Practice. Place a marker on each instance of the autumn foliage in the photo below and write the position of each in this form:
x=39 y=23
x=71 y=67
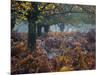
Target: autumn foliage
x=73 y=51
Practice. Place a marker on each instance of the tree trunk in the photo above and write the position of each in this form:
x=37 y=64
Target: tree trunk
x=39 y=28
x=12 y=24
x=32 y=36
x=32 y=18
x=13 y=20
x=46 y=28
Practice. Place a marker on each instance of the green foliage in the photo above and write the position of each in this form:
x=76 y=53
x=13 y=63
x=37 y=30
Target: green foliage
x=53 y=13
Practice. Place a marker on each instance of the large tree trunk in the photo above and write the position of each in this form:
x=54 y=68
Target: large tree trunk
x=32 y=36
x=32 y=18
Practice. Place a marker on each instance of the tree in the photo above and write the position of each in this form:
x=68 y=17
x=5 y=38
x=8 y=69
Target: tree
x=32 y=26
x=44 y=14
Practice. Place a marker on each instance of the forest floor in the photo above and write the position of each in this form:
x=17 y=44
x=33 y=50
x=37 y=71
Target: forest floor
x=55 y=52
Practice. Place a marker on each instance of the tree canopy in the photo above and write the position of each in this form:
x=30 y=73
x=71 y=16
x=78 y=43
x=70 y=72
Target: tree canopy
x=50 y=11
